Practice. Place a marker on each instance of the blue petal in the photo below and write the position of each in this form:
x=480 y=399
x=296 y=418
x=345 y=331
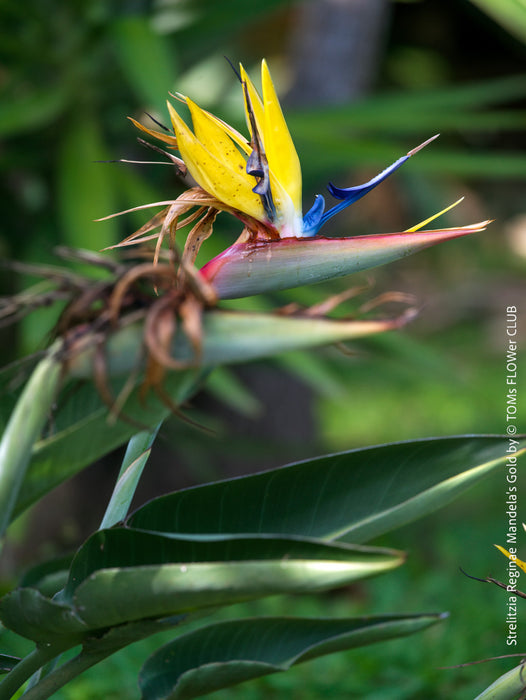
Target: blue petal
x=312 y=219
x=349 y=195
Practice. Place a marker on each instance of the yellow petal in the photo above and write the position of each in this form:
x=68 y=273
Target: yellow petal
x=281 y=154
x=233 y=133
x=225 y=183
x=216 y=140
x=255 y=103
x=288 y=219
x=435 y=216
x=521 y=564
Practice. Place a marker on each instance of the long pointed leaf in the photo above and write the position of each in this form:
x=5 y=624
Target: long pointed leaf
x=459 y=100
x=230 y=337
x=113 y=597
x=30 y=614
x=231 y=652
x=358 y=494
x=121 y=575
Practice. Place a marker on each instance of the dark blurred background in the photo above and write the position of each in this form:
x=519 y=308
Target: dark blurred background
x=362 y=82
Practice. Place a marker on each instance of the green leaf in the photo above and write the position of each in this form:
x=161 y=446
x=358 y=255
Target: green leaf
x=231 y=652
x=351 y=133
x=7 y=663
x=333 y=152
x=231 y=337
x=23 y=429
x=508 y=687
x=314 y=371
x=479 y=164
x=452 y=108
x=203 y=26
x=366 y=119
x=32 y=111
x=13 y=377
x=48 y=577
x=28 y=613
x=85 y=186
x=449 y=100
x=81 y=415
x=122 y=575
x=358 y=495
x=511 y=14
x=124 y=547
x=228 y=389
x=145 y=58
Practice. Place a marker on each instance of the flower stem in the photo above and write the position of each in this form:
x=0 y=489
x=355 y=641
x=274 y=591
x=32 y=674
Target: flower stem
x=25 y=668
x=65 y=673
x=137 y=453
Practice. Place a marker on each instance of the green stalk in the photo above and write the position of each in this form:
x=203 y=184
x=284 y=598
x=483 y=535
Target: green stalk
x=24 y=428
x=28 y=666
x=63 y=674
x=131 y=633
x=137 y=453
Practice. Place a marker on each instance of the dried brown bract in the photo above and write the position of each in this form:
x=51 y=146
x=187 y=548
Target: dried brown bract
x=163 y=295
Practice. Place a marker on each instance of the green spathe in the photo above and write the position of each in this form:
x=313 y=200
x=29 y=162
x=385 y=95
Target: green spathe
x=251 y=268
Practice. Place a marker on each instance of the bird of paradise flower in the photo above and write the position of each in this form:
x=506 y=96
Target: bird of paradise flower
x=258 y=180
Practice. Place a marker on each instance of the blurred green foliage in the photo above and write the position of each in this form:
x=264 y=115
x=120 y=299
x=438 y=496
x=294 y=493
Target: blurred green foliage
x=71 y=74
